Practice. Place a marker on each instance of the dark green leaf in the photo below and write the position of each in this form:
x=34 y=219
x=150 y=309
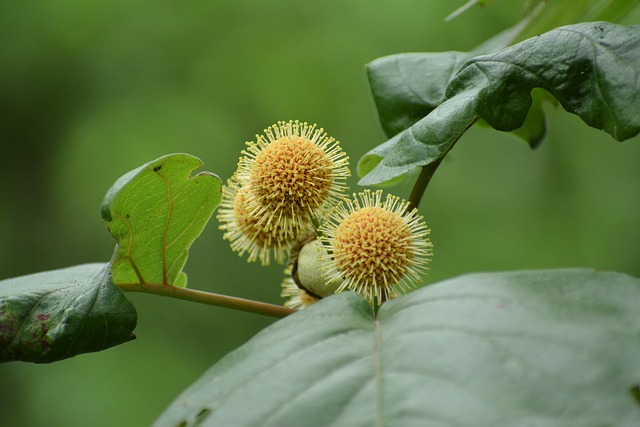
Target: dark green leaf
x=58 y=314
x=591 y=69
x=408 y=86
x=534 y=128
x=155 y=213
x=532 y=348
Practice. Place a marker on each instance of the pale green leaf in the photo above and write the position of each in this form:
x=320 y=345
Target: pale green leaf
x=155 y=212
x=554 y=348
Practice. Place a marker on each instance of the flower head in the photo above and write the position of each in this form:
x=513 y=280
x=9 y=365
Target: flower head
x=293 y=172
x=242 y=229
x=377 y=248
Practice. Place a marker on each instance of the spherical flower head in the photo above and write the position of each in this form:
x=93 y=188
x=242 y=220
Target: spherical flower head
x=294 y=171
x=377 y=248
x=242 y=227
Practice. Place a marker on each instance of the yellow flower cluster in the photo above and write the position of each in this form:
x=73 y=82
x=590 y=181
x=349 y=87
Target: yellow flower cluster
x=285 y=179
x=289 y=191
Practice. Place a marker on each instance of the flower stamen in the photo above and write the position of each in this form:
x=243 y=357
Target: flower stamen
x=376 y=247
x=293 y=172
x=242 y=228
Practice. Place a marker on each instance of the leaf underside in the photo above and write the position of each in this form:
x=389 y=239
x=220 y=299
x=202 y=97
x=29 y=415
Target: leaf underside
x=591 y=69
x=535 y=348
x=155 y=213
x=53 y=315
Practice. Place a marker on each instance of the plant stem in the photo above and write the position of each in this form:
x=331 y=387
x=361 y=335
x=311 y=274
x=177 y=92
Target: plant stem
x=210 y=299
x=421 y=183
x=427 y=173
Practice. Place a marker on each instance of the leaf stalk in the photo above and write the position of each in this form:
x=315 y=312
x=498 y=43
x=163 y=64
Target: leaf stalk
x=209 y=298
x=427 y=173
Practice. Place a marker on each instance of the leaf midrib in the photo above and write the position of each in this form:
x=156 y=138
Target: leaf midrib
x=377 y=367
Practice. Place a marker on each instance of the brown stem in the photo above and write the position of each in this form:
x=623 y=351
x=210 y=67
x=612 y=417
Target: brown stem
x=210 y=299
x=421 y=184
x=427 y=173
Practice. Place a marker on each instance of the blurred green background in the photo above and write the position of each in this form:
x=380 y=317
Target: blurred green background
x=90 y=90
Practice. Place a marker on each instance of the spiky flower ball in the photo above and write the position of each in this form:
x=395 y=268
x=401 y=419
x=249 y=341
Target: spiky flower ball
x=293 y=172
x=376 y=247
x=242 y=227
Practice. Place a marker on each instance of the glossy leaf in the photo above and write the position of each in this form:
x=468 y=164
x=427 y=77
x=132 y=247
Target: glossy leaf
x=408 y=86
x=155 y=213
x=401 y=84
x=591 y=69
x=531 y=348
x=58 y=314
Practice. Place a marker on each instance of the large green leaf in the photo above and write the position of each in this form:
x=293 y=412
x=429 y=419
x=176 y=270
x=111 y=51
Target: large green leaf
x=592 y=70
x=531 y=348
x=155 y=212
x=408 y=86
x=58 y=314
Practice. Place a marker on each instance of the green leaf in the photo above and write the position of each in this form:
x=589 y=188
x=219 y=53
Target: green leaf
x=530 y=348
x=408 y=86
x=370 y=161
x=155 y=213
x=534 y=128
x=58 y=314
x=591 y=69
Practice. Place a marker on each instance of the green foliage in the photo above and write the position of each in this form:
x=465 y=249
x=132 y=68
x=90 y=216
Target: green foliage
x=408 y=86
x=591 y=69
x=45 y=317
x=552 y=348
x=155 y=213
